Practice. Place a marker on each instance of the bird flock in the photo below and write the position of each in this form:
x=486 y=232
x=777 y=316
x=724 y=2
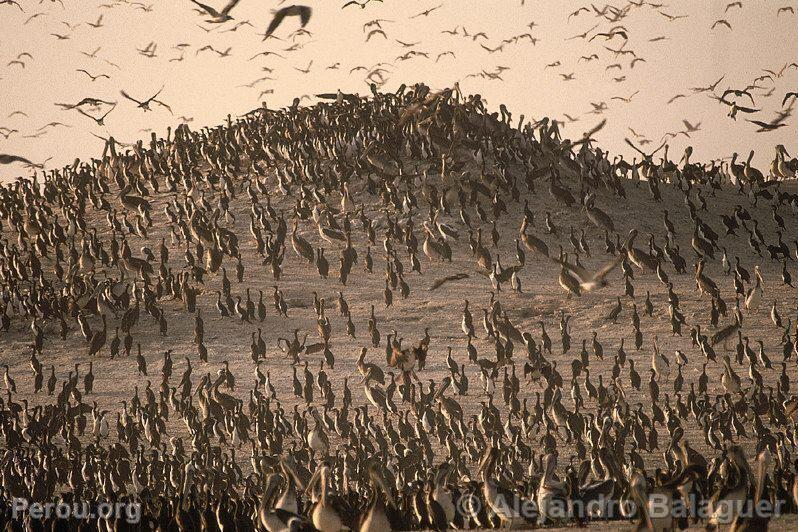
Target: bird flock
x=196 y=323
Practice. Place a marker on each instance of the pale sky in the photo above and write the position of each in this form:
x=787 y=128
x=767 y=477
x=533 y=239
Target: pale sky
x=207 y=87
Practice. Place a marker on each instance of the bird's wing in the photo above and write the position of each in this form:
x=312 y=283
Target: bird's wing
x=229 y=6
x=276 y=21
x=211 y=11
x=162 y=105
x=304 y=14
x=763 y=125
x=8 y=159
x=607 y=268
x=126 y=95
x=747 y=109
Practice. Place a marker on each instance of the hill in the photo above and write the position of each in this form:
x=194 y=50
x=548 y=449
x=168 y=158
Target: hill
x=217 y=286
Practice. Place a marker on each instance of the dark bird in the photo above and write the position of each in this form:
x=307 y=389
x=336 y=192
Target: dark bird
x=733 y=4
x=303 y=12
x=772 y=125
x=145 y=105
x=722 y=22
x=375 y=32
x=708 y=88
x=738 y=93
x=610 y=35
x=100 y=121
x=93 y=78
x=786 y=9
x=427 y=12
x=690 y=127
x=359 y=4
x=218 y=16
x=408 y=44
x=98 y=24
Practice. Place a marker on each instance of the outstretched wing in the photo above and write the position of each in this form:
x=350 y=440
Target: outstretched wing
x=304 y=14
x=229 y=6
x=211 y=11
x=8 y=159
x=276 y=21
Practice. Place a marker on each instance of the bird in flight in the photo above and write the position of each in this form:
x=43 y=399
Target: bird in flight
x=786 y=9
x=94 y=102
x=361 y=5
x=709 y=88
x=100 y=121
x=305 y=70
x=427 y=12
x=93 y=78
x=218 y=16
x=721 y=22
x=787 y=97
x=627 y=100
x=774 y=124
x=303 y=12
x=691 y=128
x=145 y=105
x=375 y=32
x=406 y=44
x=98 y=24
x=93 y=54
x=733 y=4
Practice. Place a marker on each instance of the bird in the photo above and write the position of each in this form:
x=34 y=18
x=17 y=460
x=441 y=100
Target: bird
x=426 y=12
x=217 y=17
x=690 y=127
x=101 y=120
x=93 y=78
x=375 y=32
x=301 y=11
x=721 y=22
x=145 y=104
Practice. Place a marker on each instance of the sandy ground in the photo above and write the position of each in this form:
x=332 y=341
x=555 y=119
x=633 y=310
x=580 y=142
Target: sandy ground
x=440 y=310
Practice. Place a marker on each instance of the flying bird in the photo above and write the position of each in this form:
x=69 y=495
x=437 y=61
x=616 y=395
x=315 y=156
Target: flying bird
x=375 y=32
x=218 y=16
x=303 y=12
x=690 y=127
x=427 y=12
x=93 y=78
x=145 y=105
x=787 y=97
x=722 y=22
x=100 y=121
x=738 y=93
x=98 y=24
x=305 y=70
x=786 y=9
x=359 y=4
x=733 y=4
